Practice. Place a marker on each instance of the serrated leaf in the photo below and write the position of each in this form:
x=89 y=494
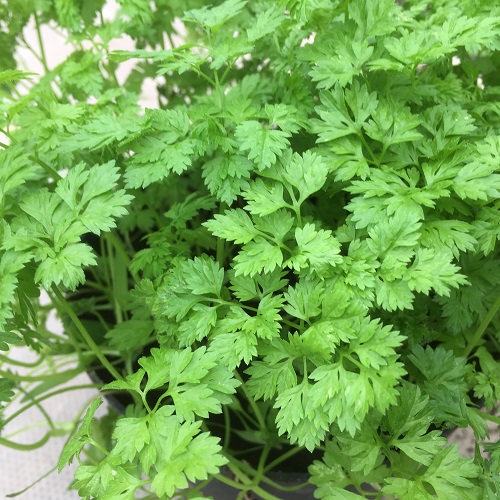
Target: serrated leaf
x=155 y=159
x=308 y=173
x=75 y=445
x=92 y=196
x=264 y=198
x=235 y=225
x=263 y=144
x=317 y=250
x=215 y=17
x=258 y=256
x=265 y=23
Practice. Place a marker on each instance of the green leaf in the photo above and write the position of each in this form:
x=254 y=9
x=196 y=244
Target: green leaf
x=431 y=270
x=11 y=264
x=277 y=225
x=306 y=429
x=103 y=131
x=263 y=144
x=227 y=176
x=336 y=109
x=393 y=240
x=13 y=75
x=330 y=475
x=338 y=59
x=131 y=436
x=107 y=480
x=445 y=235
x=258 y=256
x=16 y=169
x=235 y=225
x=263 y=198
x=66 y=267
x=374 y=19
x=268 y=378
x=266 y=23
x=408 y=425
x=197 y=325
x=6 y=392
x=449 y=476
x=393 y=124
x=77 y=442
x=235 y=345
x=304 y=300
x=92 y=196
x=155 y=159
x=215 y=17
x=130 y=335
x=307 y=173
x=346 y=396
x=363 y=449
x=317 y=251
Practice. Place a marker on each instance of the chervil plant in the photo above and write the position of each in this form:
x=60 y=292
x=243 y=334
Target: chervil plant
x=291 y=262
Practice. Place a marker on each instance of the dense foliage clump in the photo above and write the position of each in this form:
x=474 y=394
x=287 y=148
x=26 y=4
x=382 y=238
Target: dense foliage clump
x=302 y=236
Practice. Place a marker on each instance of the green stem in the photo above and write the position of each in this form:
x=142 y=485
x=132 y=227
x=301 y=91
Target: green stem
x=17 y=493
x=118 y=245
x=26 y=447
x=6 y=359
x=253 y=404
x=227 y=427
x=40 y=42
x=41 y=409
x=170 y=40
x=205 y=77
x=367 y=146
x=482 y=327
x=117 y=305
x=246 y=483
x=50 y=170
x=88 y=339
x=491 y=418
x=95 y=444
x=47 y=396
x=261 y=466
x=282 y=458
x=67 y=375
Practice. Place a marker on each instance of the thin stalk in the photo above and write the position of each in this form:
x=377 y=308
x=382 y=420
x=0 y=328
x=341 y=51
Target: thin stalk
x=491 y=418
x=170 y=40
x=118 y=245
x=367 y=146
x=282 y=458
x=72 y=338
x=482 y=328
x=40 y=42
x=227 y=427
x=95 y=444
x=117 y=305
x=67 y=375
x=17 y=493
x=41 y=409
x=26 y=447
x=261 y=465
x=50 y=170
x=47 y=396
x=88 y=339
x=6 y=359
x=253 y=404
x=30 y=48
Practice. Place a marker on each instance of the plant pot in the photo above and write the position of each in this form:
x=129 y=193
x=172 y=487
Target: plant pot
x=221 y=491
